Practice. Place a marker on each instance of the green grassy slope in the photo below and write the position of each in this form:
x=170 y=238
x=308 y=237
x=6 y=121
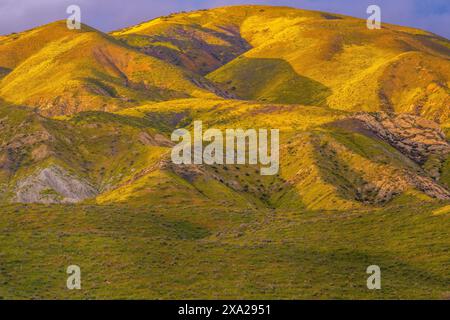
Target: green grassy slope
x=334 y=59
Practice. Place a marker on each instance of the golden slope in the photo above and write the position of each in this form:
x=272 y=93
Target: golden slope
x=309 y=57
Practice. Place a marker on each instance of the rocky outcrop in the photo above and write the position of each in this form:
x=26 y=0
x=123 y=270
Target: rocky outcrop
x=28 y=140
x=429 y=187
x=155 y=140
x=416 y=137
x=213 y=87
x=53 y=185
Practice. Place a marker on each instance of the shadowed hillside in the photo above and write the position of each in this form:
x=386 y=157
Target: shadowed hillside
x=285 y=85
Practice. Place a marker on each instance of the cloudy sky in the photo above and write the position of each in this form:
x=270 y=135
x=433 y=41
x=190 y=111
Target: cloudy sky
x=107 y=15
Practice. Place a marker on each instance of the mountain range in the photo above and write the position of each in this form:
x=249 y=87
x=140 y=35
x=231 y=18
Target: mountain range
x=364 y=117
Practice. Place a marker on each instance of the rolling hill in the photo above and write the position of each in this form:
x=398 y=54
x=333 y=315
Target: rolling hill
x=305 y=57
x=89 y=70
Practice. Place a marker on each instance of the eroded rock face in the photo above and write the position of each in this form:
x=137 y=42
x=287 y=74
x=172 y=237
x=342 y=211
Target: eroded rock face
x=414 y=136
x=387 y=187
x=53 y=185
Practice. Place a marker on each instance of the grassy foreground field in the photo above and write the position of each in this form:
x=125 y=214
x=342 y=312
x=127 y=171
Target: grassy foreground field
x=191 y=252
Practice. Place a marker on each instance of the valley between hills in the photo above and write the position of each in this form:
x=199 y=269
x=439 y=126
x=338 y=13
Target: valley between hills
x=86 y=177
